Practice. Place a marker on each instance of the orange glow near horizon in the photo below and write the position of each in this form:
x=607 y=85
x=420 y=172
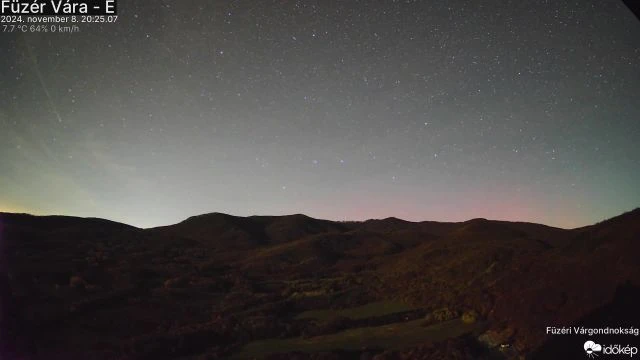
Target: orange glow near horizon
x=9 y=208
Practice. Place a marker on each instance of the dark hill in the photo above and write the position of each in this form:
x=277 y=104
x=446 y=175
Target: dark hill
x=233 y=232
x=219 y=230
x=281 y=229
x=387 y=225
x=212 y=284
x=49 y=223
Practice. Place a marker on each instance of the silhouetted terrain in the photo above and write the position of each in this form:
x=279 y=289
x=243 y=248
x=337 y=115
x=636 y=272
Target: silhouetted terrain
x=294 y=287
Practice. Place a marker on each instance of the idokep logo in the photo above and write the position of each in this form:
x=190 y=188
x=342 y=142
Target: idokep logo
x=593 y=349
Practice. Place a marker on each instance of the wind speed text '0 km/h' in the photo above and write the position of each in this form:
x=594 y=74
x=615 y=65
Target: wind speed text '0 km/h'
x=55 y=28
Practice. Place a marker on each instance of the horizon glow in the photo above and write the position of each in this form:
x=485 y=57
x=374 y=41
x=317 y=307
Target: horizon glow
x=421 y=111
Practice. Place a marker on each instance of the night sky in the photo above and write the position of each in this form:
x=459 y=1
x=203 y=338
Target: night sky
x=422 y=110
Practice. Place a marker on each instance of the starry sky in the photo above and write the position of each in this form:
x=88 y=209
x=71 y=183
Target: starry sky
x=345 y=110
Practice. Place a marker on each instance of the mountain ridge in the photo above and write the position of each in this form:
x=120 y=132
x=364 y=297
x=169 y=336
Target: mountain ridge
x=634 y=212
x=215 y=283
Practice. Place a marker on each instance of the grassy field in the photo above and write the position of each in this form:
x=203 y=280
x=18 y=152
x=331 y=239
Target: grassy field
x=393 y=336
x=361 y=312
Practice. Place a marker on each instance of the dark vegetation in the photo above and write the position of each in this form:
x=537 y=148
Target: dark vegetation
x=293 y=287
